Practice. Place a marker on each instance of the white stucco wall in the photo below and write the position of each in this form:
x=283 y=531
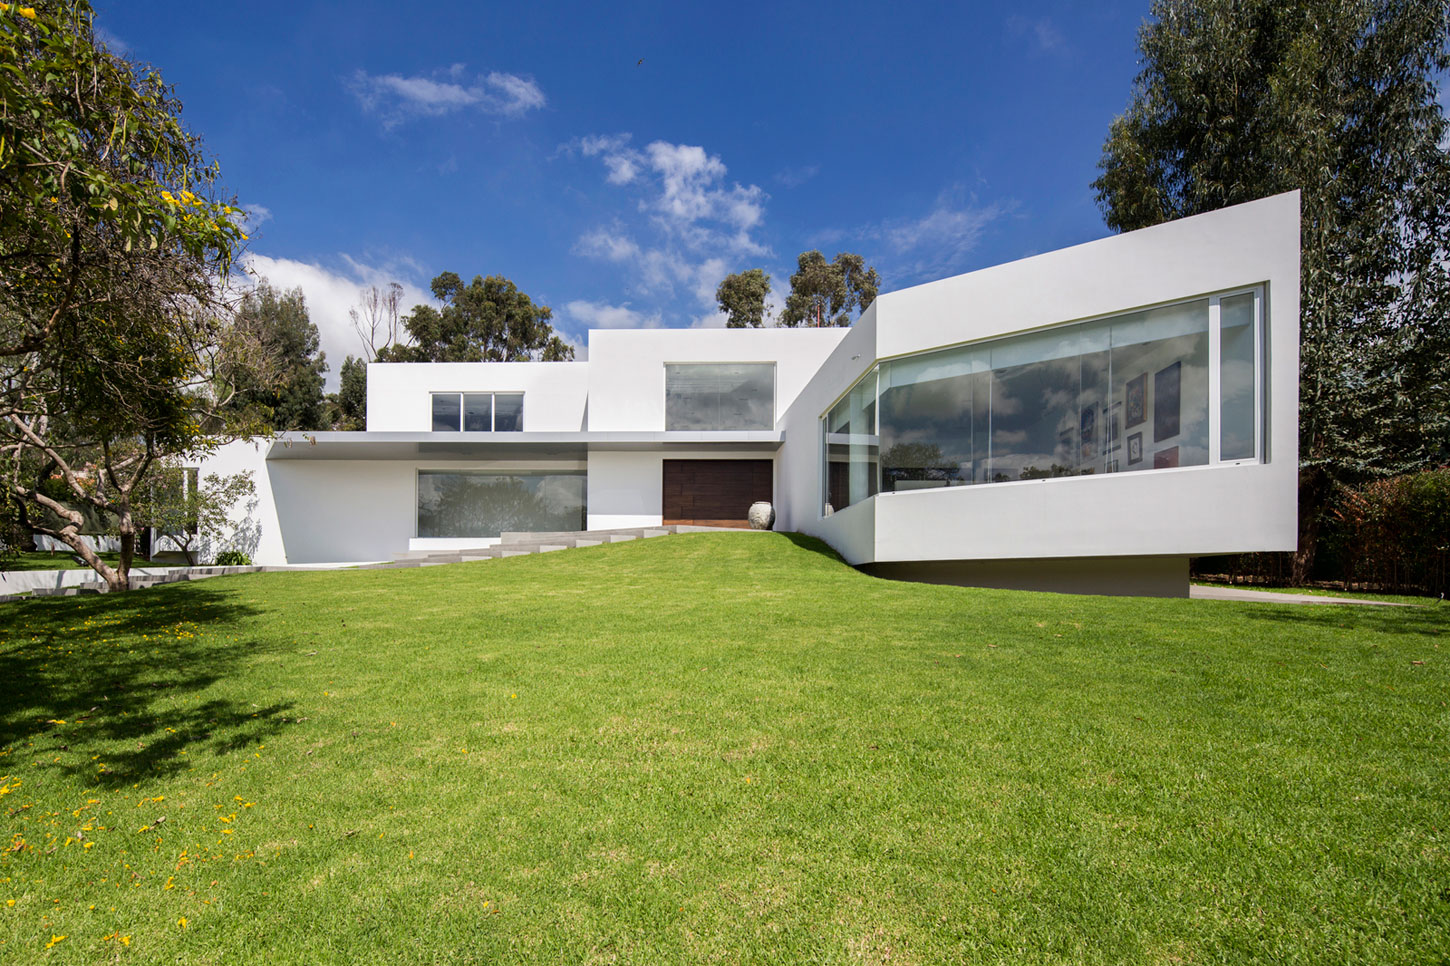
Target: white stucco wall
x=310 y=511
x=1182 y=511
x=256 y=530
x=399 y=393
x=627 y=367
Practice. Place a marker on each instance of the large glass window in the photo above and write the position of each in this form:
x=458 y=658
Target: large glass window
x=852 y=446
x=478 y=412
x=1115 y=395
x=710 y=396
x=484 y=503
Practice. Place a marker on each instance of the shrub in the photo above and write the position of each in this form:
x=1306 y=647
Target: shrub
x=233 y=558
x=1397 y=532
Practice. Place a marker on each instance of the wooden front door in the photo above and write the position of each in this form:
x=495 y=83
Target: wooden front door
x=714 y=493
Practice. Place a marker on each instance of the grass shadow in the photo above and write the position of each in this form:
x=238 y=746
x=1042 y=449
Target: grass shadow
x=1429 y=621
x=814 y=545
x=116 y=671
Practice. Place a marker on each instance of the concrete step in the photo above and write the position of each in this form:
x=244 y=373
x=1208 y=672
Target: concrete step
x=518 y=543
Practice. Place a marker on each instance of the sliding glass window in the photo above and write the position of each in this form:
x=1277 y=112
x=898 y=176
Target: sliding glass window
x=478 y=412
x=1115 y=395
x=484 y=503
x=715 y=396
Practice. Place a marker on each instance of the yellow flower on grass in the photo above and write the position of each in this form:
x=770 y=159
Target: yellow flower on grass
x=54 y=940
x=27 y=12
x=181 y=922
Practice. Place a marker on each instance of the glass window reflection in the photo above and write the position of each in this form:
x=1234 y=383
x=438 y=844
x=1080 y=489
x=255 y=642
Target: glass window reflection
x=713 y=396
x=456 y=503
x=1114 y=395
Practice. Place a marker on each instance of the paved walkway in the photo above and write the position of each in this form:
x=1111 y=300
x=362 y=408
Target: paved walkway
x=1263 y=596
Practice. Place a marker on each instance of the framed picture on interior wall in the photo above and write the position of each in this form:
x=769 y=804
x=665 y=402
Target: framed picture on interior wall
x=1088 y=424
x=1165 y=458
x=1135 y=448
x=1112 y=466
x=1137 y=399
x=1115 y=428
x=1166 y=386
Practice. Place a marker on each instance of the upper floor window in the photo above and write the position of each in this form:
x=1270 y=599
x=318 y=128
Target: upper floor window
x=478 y=412
x=713 y=396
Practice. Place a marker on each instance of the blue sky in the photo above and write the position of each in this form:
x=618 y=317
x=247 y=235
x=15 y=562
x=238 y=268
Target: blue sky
x=616 y=161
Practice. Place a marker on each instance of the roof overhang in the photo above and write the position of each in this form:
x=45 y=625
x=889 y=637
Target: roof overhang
x=501 y=446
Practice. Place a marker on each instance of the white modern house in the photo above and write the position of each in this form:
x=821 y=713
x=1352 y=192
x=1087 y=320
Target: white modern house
x=1087 y=419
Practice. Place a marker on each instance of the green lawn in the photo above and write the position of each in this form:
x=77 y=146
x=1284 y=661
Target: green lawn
x=40 y=560
x=716 y=747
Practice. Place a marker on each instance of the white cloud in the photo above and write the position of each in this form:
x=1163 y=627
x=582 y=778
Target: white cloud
x=945 y=229
x=608 y=244
x=619 y=161
x=1043 y=34
x=931 y=246
x=331 y=294
x=795 y=177
x=396 y=98
x=256 y=215
x=684 y=190
x=710 y=320
x=695 y=227
x=601 y=315
x=112 y=43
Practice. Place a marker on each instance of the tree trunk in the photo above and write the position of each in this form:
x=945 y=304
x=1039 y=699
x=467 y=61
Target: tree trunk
x=127 y=532
x=70 y=536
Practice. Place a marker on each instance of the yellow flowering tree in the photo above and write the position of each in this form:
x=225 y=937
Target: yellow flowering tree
x=114 y=250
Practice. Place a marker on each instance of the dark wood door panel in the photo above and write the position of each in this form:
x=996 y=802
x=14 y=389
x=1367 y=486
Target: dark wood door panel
x=714 y=493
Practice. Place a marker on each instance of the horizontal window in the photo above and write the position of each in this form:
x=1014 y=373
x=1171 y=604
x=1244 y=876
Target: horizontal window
x=478 y=412
x=485 y=503
x=1128 y=393
x=714 y=396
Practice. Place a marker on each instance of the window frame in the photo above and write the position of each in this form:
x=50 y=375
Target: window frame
x=492 y=409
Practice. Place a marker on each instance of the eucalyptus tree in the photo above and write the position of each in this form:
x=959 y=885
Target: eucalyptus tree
x=829 y=293
x=741 y=296
x=486 y=320
x=1240 y=99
